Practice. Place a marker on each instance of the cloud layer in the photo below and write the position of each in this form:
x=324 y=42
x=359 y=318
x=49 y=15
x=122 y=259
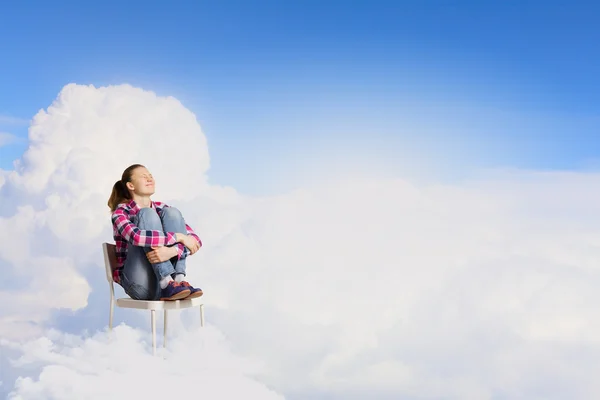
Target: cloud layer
x=357 y=288
x=120 y=365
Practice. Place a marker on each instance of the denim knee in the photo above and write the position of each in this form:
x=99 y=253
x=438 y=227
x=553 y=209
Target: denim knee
x=148 y=217
x=171 y=212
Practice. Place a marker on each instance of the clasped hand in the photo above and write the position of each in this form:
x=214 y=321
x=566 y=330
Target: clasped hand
x=160 y=254
x=163 y=253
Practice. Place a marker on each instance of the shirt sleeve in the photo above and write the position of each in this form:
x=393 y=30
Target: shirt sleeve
x=182 y=251
x=191 y=232
x=139 y=237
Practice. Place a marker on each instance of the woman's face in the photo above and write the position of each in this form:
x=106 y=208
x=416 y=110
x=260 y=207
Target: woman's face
x=142 y=182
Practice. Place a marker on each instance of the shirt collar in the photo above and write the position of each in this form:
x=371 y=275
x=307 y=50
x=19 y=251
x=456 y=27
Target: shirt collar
x=134 y=206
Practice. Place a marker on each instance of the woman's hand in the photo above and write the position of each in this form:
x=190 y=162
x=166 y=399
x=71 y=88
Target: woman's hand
x=191 y=243
x=160 y=254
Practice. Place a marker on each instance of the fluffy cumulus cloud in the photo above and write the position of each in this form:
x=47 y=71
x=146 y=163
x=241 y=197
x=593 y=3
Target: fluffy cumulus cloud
x=54 y=202
x=354 y=289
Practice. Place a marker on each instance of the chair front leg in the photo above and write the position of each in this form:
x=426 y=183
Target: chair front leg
x=165 y=331
x=153 y=322
x=202 y=315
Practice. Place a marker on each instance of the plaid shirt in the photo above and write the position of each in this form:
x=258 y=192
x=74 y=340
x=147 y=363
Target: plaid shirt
x=125 y=232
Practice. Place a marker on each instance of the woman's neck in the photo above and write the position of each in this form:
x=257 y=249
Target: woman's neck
x=142 y=201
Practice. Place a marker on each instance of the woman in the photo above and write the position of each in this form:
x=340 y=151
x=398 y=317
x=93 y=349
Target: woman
x=152 y=241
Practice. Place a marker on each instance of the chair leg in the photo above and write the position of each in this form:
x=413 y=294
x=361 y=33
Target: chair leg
x=202 y=315
x=153 y=321
x=165 y=331
x=110 y=316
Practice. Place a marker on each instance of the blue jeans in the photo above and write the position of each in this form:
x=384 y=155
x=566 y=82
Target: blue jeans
x=140 y=279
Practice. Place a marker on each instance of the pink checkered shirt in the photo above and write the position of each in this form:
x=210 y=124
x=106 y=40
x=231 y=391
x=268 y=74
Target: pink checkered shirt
x=125 y=232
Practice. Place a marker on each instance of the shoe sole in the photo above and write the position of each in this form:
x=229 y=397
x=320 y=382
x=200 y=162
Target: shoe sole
x=178 y=296
x=195 y=295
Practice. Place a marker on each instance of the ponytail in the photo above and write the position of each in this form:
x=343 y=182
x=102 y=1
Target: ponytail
x=120 y=193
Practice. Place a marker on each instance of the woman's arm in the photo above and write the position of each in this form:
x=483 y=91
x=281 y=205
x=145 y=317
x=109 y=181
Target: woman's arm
x=191 y=233
x=183 y=250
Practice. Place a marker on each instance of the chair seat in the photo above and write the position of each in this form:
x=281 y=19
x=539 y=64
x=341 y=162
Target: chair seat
x=158 y=305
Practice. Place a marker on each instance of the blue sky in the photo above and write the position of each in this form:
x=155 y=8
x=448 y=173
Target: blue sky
x=385 y=87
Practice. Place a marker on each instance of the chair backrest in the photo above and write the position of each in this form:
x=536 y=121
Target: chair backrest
x=110 y=260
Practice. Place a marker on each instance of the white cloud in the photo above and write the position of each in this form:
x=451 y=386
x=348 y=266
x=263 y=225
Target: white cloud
x=57 y=194
x=382 y=288
x=120 y=366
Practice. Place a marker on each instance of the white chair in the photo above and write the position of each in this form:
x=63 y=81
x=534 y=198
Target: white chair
x=110 y=261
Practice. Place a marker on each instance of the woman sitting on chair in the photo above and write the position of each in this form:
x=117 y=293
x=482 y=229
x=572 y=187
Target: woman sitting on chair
x=152 y=241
